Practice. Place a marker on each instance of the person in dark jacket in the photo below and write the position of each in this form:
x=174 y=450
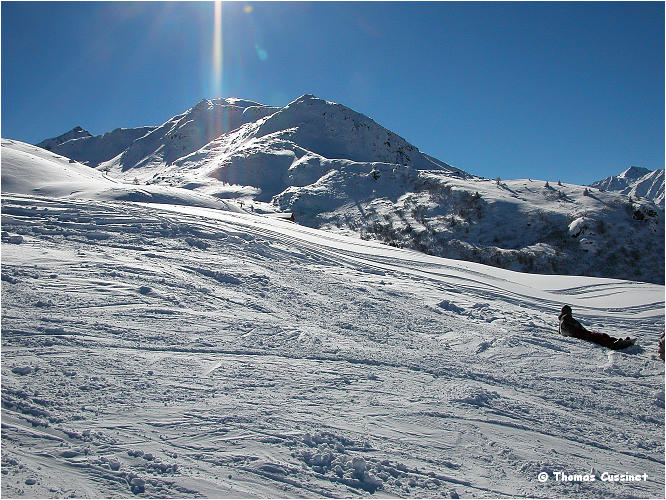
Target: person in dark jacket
x=569 y=327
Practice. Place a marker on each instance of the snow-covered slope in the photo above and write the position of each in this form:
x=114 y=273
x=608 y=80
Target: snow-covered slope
x=93 y=150
x=525 y=225
x=180 y=352
x=637 y=182
x=294 y=146
x=27 y=169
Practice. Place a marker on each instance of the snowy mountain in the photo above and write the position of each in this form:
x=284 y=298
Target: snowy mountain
x=636 y=182
x=308 y=127
x=337 y=169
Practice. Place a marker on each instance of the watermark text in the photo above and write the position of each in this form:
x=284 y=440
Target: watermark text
x=563 y=477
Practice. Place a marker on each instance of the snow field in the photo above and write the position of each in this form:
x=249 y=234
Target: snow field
x=159 y=350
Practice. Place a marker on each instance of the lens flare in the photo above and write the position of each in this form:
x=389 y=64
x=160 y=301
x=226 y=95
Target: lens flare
x=217 y=50
x=261 y=53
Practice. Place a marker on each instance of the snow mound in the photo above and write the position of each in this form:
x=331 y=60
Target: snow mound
x=28 y=169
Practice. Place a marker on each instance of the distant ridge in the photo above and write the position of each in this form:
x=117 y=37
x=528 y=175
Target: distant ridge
x=80 y=145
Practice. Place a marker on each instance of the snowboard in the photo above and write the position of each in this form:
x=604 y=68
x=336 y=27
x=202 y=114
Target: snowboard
x=623 y=343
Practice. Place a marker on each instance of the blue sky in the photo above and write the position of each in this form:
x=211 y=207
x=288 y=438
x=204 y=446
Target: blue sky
x=570 y=91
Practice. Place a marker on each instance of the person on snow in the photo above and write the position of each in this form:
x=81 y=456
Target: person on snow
x=569 y=327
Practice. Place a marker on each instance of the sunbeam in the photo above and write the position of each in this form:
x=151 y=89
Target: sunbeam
x=217 y=50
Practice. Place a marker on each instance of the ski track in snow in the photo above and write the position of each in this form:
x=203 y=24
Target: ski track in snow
x=171 y=351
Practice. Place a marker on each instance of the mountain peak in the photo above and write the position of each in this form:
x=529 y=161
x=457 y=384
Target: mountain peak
x=76 y=133
x=308 y=97
x=635 y=172
x=226 y=101
x=80 y=145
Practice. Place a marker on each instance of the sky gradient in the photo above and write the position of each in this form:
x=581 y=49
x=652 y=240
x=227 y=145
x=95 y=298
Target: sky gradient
x=570 y=91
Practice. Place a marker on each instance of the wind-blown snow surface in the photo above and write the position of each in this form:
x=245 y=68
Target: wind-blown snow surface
x=173 y=351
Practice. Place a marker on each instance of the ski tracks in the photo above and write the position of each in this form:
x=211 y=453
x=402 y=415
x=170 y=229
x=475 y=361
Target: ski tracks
x=195 y=356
